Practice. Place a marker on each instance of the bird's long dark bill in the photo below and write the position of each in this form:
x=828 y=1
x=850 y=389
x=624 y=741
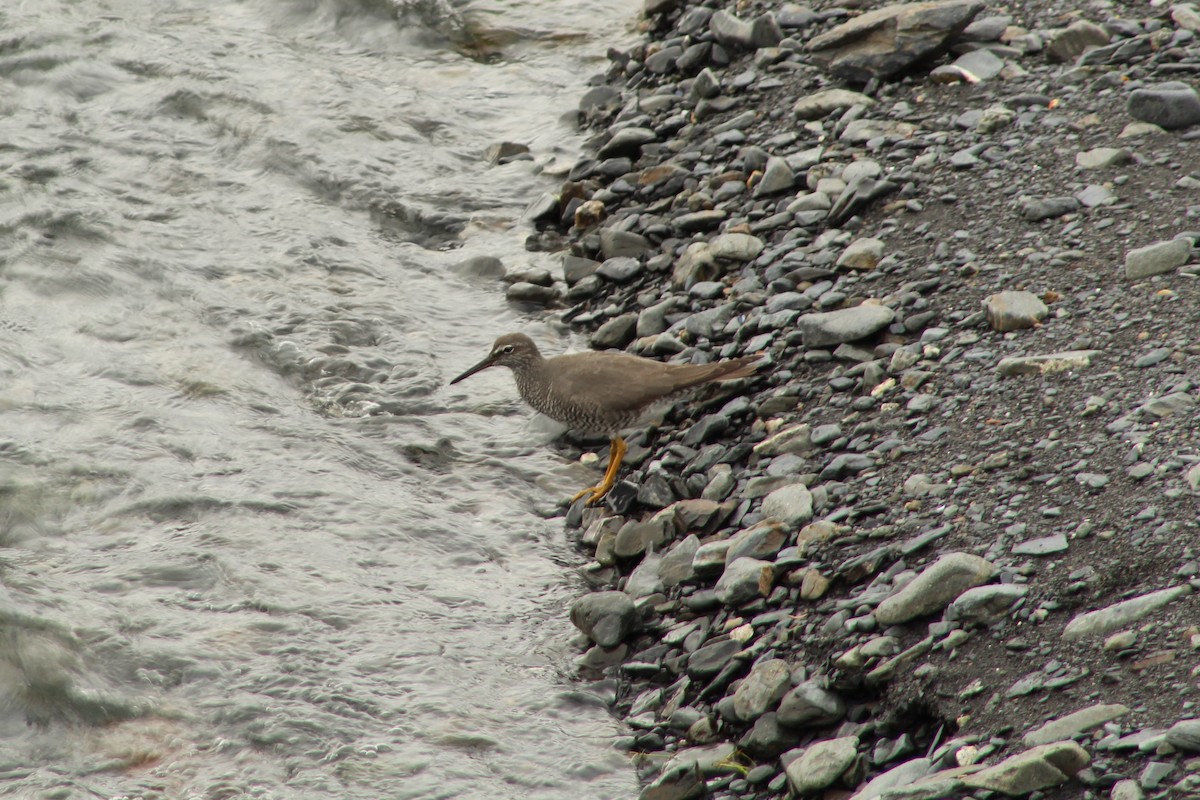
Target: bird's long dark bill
x=482 y=365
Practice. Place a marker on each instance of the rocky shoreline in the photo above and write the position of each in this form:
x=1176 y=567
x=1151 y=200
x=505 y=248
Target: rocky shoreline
x=945 y=544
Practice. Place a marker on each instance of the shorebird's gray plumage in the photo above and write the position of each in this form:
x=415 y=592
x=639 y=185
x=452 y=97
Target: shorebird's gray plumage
x=600 y=392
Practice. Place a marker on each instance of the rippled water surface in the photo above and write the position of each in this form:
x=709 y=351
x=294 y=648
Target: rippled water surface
x=250 y=543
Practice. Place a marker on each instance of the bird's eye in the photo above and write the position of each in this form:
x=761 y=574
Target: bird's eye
x=508 y=348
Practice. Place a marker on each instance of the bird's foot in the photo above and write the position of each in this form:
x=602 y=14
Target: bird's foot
x=597 y=494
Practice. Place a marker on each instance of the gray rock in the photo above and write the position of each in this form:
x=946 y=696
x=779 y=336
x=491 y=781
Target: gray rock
x=1074 y=724
x=627 y=143
x=982 y=64
x=895 y=778
x=652 y=7
x=887 y=40
x=777 y=177
x=761 y=689
x=1070 y=43
x=1094 y=195
x=636 y=536
x=823 y=103
x=761 y=541
x=792 y=505
x=810 y=705
x=697 y=264
x=653 y=320
x=1157 y=258
x=1011 y=311
x=713 y=657
x=576 y=269
x=524 y=292
x=1127 y=789
x=844 y=325
x=599 y=101
x=863 y=254
x=713 y=759
x=737 y=33
x=615 y=243
x=1036 y=209
x=706 y=85
x=1106 y=620
x=937 y=585
x=821 y=764
x=985 y=605
x=796 y=439
x=616 y=333
x=1037 y=768
x=1185 y=735
x=736 y=247
x=1043 y=546
x=1046 y=364
x=620 y=269
x=1101 y=157
x=604 y=617
x=681 y=782
x=676 y=565
x=1171 y=105
x=662 y=62
x=745 y=579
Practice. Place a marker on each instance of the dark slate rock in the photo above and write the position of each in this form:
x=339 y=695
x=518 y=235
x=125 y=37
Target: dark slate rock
x=1171 y=105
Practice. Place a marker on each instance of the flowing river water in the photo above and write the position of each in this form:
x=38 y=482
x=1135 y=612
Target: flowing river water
x=252 y=545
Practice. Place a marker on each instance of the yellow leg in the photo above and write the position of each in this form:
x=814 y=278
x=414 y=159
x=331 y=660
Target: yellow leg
x=616 y=454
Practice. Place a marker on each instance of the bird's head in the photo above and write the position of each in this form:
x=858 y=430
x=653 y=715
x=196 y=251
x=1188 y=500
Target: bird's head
x=513 y=350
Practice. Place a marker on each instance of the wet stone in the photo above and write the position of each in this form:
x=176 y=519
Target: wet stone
x=604 y=617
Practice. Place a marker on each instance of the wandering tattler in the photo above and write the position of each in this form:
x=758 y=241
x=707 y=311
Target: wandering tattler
x=600 y=392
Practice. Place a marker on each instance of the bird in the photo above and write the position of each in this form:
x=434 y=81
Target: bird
x=602 y=392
